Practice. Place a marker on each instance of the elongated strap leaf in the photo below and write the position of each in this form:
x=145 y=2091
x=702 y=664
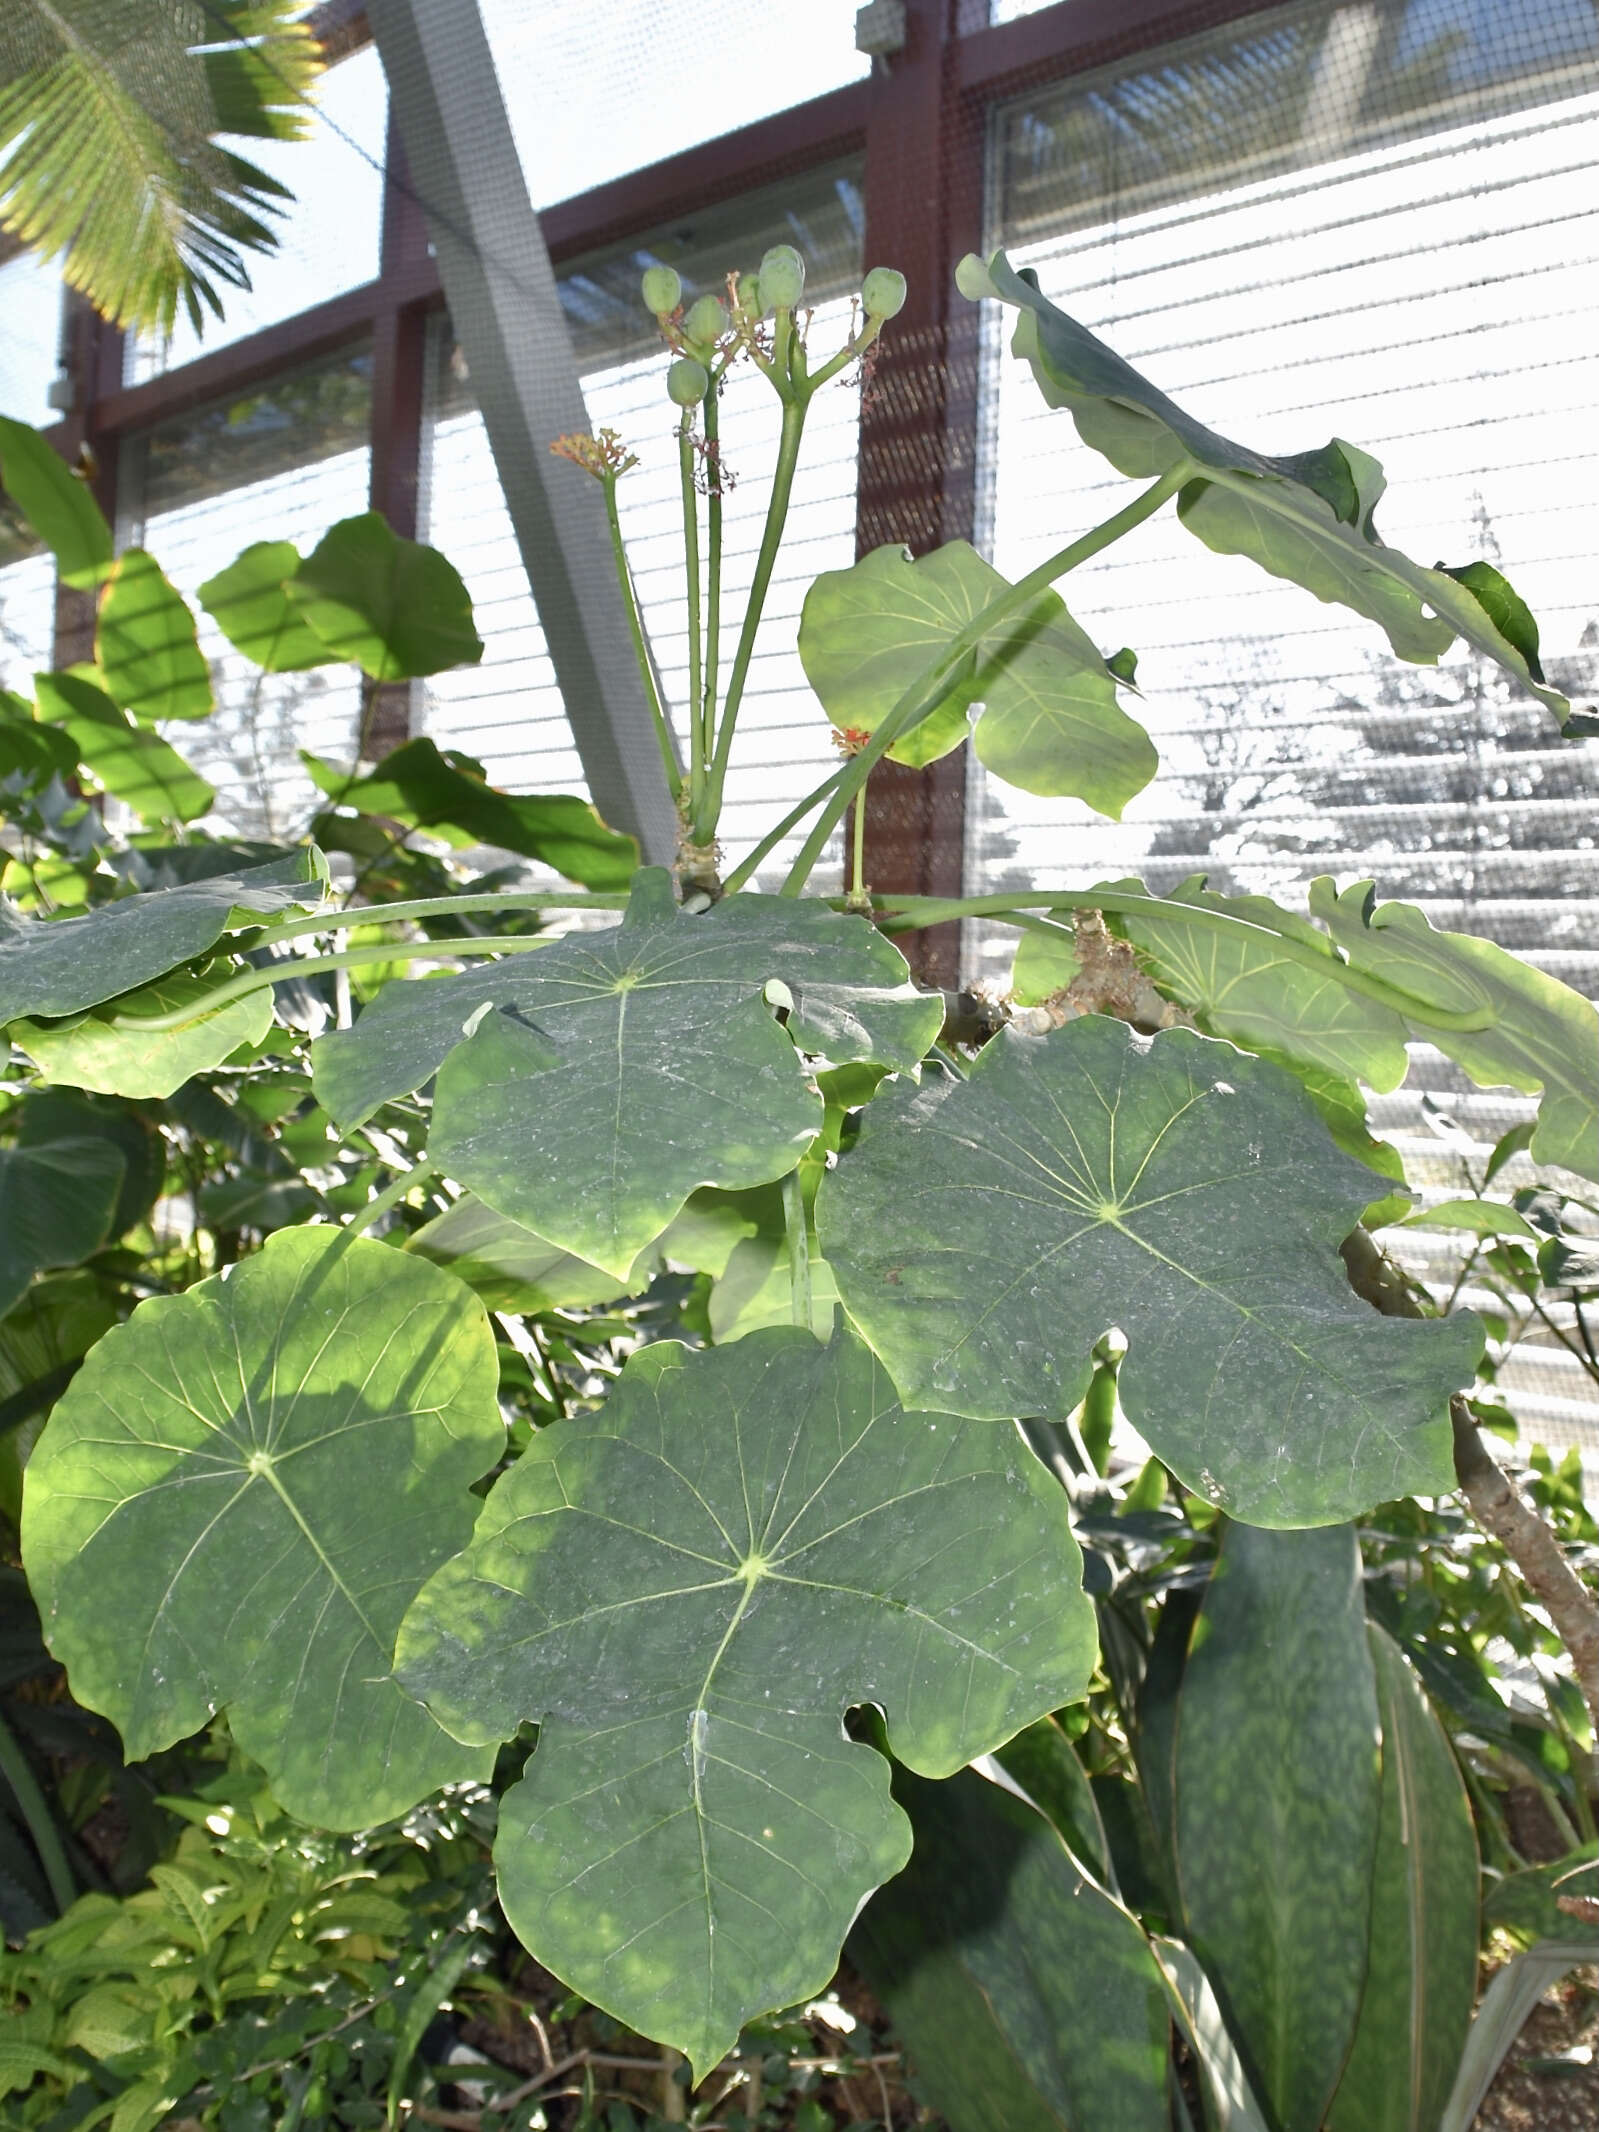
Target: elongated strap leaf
x=686 y=1590
x=241 y=1493
x=60 y=508
x=986 y=1234
x=1422 y=1981
x=1277 y=1806
x=1025 y=1995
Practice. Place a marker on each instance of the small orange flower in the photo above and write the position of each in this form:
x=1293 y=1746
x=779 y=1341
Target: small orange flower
x=851 y=739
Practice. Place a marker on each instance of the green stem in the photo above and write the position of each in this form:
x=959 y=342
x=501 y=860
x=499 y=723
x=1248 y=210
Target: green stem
x=707 y=815
x=849 y=353
x=382 y=1202
x=773 y=837
x=929 y=689
x=18 y=1773
x=249 y=981
x=641 y=649
x=515 y=899
x=691 y=563
x=858 y=851
x=799 y=1250
x=1010 y=907
x=713 y=565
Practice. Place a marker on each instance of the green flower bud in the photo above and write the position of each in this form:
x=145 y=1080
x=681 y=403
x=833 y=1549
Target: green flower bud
x=687 y=382
x=705 y=322
x=663 y=290
x=751 y=302
x=973 y=279
x=883 y=292
x=782 y=278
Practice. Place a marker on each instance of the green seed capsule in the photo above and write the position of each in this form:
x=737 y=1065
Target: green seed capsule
x=687 y=382
x=782 y=278
x=705 y=322
x=663 y=290
x=751 y=302
x=883 y=292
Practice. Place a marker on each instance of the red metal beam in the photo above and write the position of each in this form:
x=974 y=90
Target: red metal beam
x=1075 y=36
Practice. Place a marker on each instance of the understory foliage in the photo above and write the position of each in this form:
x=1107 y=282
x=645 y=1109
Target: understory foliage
x=610 y=1371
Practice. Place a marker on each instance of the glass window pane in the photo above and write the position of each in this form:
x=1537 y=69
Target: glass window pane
x=594 y=92
x=283 y=463
x=508 y=712
x=27 y=613
x=30 y=334
x=329 y=239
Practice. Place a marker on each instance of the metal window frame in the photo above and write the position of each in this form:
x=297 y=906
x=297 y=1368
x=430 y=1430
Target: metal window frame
x=921 y=122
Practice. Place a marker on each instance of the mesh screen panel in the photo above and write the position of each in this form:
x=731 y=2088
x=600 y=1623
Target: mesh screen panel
x=30 y=333
x=1378 y=222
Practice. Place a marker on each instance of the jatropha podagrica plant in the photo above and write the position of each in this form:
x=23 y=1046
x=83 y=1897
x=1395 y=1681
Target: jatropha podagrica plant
x=269 y=1494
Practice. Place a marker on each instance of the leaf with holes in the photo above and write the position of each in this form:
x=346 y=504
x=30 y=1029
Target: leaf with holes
x=62 y=965
x=1051 y=723
x=640 y=1062
x=985 y=1234
x=1541 y=1037
x=239 y=1496
x=1306 y=516
x=686 y=1591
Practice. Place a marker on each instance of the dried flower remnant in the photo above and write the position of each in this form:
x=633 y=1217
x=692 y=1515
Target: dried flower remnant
x=606 y=457
x=849 y=740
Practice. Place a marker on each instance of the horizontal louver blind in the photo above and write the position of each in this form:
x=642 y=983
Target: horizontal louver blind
x=1381 y=223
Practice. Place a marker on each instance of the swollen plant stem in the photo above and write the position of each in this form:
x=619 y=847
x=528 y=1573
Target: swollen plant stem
x=1011 y=908
x=930 y=687
x=249 y=981
x=14 y=1767
x=641 y=650
x=691 y=563
x=713 y=563
x=1493 y=1499
x=707 y=814
x=511 y=899
x=773 y=837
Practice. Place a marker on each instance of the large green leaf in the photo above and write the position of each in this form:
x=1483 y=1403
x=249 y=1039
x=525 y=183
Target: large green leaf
x=111 y=116
x=513 y=1269
x=986 y=1234
x=57 y=1198
x=1043 y=1761
x=1052 y=722
x=640 y=1062
x=395 y=607
x=30 y=754
x=240 y=1495
x=1421 y=1984
x=1307 y=516
x=98 y=1051
x=1242 y=984
x=250 y=606
x=1277 y=1806
x=146 y=644
x=59 y=1114
x=60 y=508
x=62 y=965
x=1026 y=1997
x=686 y=1590
x=1544 y=1037
x=422 y=788
x=135 y=765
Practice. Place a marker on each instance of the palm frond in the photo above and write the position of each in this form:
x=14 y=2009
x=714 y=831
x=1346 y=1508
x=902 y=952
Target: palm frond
x=110 y=112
